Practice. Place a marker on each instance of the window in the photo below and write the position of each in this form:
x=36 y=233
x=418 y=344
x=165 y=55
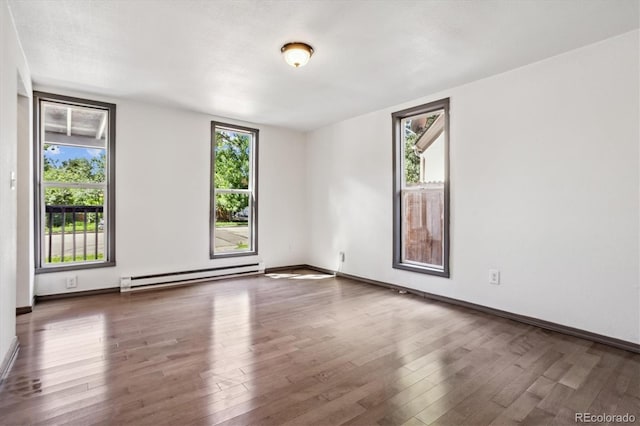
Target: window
x=75 y=182
x=234 y=200
x=421 y=188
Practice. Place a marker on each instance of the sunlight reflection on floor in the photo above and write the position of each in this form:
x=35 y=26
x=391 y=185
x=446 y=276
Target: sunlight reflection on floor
x=299 y=276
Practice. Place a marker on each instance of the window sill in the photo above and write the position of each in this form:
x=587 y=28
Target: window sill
x=231 y=255
x=444 y=273
x=74 y=267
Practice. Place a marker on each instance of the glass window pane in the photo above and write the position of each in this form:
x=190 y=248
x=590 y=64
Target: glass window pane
x=423 y=193
x=423 y=162
x=233 y=217
x=74 y=225
x=423 y=224
x=64 y=163
x=232 y=159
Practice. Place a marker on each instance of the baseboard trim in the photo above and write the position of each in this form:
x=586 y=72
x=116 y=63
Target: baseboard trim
x=294 y=267
x=175 y=284
x=24 y=310
x=9 y=358
x=547 y=325
x=58 y=296
x=284 y=268
x=323 y=270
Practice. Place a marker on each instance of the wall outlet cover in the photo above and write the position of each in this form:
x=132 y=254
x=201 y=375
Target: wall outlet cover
x=494 y=276
x=72 y=282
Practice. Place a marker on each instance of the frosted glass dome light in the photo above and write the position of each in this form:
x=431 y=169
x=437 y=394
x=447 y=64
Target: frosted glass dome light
x=297 y=54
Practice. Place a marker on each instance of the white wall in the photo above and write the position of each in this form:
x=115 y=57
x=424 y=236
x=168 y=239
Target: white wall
x=544 y=186
x=162 y=196
x=13 y=69
x=25 y=224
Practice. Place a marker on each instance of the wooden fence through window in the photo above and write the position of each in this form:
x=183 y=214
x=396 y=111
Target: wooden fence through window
x=423 y=223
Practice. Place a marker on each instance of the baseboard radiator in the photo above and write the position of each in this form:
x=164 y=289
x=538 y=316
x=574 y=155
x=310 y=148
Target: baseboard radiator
x=171 y=279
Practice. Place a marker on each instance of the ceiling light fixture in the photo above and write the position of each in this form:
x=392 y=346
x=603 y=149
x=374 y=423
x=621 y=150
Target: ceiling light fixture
x=297 y=54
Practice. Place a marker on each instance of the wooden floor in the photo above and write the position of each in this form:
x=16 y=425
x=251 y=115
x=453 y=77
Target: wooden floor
x=301 y=350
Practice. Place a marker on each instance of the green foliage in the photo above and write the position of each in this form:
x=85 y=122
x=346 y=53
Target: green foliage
x=74 y=170
x=411 y=160
x=73 y=197
x=231 y=172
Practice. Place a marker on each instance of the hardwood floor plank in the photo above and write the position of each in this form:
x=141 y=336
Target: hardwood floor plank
x=554 y=401
x=579 y=371
x=538 y=417
x=526 y=378
x=462 y=382
x=541 y=387
x=466 y=400
x=518 y=410
x=582 y=398
x=413 y=422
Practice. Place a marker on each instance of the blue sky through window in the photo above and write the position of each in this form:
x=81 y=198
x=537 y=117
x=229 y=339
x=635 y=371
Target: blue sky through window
x=60 y=153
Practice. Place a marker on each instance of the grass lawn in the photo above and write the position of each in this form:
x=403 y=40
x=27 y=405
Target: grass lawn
x=220 y=224
x=68 y=227
x=79 y=258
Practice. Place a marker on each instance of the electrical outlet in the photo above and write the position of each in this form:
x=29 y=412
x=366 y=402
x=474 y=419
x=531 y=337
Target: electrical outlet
x=72 y=282
x=494 y=276
x=341 y=256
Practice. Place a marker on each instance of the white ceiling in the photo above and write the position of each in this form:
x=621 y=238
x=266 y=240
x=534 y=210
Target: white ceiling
x=223 y=57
